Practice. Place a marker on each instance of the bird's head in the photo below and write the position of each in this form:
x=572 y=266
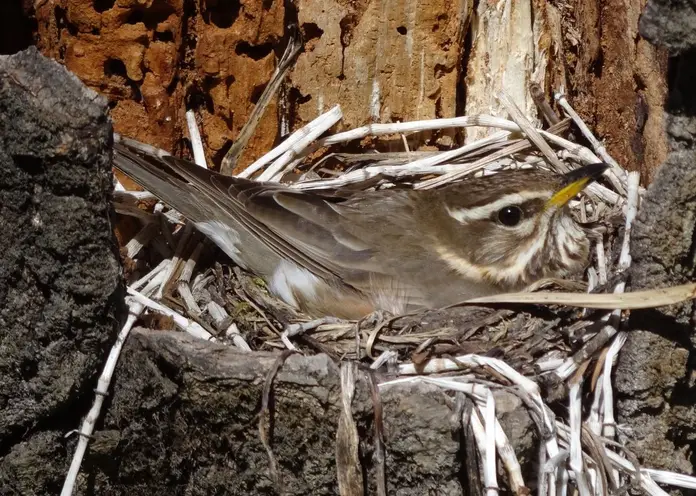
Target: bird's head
x=512 y=228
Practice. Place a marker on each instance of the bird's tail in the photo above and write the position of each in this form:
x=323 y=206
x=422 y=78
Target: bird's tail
x=148 y=166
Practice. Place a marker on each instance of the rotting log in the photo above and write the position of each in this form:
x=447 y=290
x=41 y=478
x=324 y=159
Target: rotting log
x=409 y=61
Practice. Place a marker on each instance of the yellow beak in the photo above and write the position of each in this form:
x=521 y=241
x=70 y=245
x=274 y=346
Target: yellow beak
x=576 y=181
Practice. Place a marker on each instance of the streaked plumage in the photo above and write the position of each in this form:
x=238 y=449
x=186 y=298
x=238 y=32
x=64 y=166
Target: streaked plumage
x=346 y=253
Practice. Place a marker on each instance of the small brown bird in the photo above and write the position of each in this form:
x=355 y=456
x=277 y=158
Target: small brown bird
x=346 y=253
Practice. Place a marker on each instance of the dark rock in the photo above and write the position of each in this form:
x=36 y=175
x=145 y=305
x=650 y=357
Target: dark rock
x=670 y=24
x=656 y=396
x=60 y=293
x=187 y=415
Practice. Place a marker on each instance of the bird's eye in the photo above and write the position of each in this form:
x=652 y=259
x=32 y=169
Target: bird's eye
x=510 y=216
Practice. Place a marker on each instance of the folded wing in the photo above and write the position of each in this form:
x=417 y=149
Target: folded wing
x=265 y=225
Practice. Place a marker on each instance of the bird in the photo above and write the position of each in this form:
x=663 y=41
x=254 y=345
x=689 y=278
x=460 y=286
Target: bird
x=347 y=252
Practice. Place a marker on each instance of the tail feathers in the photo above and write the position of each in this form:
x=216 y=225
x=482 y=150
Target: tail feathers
x=155 y=176
x=203 y=196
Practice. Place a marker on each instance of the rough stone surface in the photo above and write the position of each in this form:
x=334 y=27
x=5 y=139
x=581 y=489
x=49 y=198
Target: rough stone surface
x=670 y=23
x=655 y=375
x=60 y=293
x=183 y=419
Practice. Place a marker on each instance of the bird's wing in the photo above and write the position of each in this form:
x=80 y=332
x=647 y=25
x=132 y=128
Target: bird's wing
x=308 y=229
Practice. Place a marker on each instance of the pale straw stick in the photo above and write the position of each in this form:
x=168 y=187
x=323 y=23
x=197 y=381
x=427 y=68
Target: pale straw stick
x=480 y=394
x=296 y=141
x=427 y=165
x=176 y=259
x=609 y=423
x=609 y=430
x=144 y=148
x=509 y=459
x=601 y=262
x=347 y=440
x=404 y=140
x=592 y=281
x=118 y=187
x=596 y=189
x=185 y=277
x=631 y=212
x=483 y=398
x=286 y=61
x=186 y=273
x=569 y=367
x=594 y=418
x=490 y=467
x=599 y=276
x=134 y=195
x=236 y=337
x=141 y=239
x=150 y=275
x=576 y=150
x=134 y=310
x=671 y=478
x=527 y=385
x=385 y=357
x=276 y=170
x=479 y=432
x=575 y=460
x=531 y=133
x=596 y=145
x=286 y=341
x=217 y=313
x=586 y=156
x=417 y=126
x=196 y=141
x=644 y=475
x=518 y=146
x=460 y=384
x=199 y=157
x=563 y=477
x=182 y=322
x=547 y=363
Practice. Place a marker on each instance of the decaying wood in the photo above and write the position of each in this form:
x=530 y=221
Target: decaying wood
x=502 y=58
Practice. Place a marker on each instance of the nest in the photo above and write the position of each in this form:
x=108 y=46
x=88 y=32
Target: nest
x=551 y=346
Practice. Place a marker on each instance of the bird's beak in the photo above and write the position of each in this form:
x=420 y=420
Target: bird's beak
x=574 y=182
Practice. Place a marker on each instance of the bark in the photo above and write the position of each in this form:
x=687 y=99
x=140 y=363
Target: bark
x=380 y=61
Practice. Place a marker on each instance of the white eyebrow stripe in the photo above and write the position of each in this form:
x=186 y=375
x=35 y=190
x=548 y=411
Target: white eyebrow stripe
x=484 y=211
